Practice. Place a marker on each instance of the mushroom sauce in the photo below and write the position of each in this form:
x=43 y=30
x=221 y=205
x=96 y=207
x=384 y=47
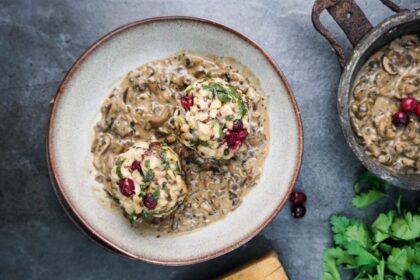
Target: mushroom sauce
x=391 y=74
x=142 y=107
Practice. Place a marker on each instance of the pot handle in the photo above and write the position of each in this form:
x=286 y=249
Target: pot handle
x=349 y=17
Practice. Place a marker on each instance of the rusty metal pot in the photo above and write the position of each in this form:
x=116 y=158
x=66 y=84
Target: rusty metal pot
x=366 y=40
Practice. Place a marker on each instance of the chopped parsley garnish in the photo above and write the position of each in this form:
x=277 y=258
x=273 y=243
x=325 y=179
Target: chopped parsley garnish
x=148 y=177
x=142 y=189
x=227 y=94
x=119 y=164
x=242 y=109
x=156 y=193
x=203 y=143
x=164 y=158
x=221 y=134
x=229 y=118
x=164 y=186
x=177 y=168
x=147 y=163
x=133 y=216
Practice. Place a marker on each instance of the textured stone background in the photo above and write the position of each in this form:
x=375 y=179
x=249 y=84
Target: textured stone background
x=39 y=42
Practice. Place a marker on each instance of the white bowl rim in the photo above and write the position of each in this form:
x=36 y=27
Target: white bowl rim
x=60 y=189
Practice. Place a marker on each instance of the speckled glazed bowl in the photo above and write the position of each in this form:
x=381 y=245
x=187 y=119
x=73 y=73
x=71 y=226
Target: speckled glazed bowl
x=76 y=110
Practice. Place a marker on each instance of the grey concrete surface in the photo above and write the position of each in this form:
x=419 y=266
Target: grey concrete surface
x=39 y=40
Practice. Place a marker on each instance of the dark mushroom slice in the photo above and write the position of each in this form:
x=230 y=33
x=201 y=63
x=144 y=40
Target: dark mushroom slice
x=389 y=66
x=160 y=115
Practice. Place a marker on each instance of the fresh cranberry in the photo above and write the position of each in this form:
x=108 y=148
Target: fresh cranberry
x=187 y=101
x=298 y=211
x=408 y=104
x=154 y=145
x=152 y=148
x=126 y=186
x=400 y=119
x=418 y=110
x=149 y=201
x=298 y=198
x=242 y=135
x=236 y=136
x=232 y=139
x=136 y=165
x=237 y=125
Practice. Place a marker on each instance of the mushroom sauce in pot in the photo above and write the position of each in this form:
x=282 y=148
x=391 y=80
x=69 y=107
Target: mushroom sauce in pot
x=144 y=107
x=389 y=77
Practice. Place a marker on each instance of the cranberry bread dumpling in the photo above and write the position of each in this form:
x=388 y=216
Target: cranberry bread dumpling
x=147 y=180
x=213 y=118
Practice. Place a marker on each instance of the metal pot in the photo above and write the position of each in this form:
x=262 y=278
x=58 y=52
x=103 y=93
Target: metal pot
x=366 y=40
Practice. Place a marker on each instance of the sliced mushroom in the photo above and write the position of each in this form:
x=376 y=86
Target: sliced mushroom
x=382 y=79
x=409 y=41
x=389 y=66
x=160 y=115
x=103 y=144
x=409 y=85
x=125 y=93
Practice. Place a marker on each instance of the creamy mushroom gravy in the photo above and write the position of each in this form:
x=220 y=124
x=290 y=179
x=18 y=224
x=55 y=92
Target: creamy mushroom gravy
x=142 y=108
x=391 y=74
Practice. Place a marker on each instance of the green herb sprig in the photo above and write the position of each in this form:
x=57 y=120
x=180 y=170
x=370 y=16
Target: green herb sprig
x=387 y=249
x=226 y=95
x=119 y=165
x=376 y=190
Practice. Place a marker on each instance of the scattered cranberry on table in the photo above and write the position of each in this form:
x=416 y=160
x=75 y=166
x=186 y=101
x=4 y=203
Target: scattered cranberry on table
x=149 y=201
x=126 y=186
x=400 y=119
x=418 y=110
x=298 y=200
x=298 y=197
x=298 y=211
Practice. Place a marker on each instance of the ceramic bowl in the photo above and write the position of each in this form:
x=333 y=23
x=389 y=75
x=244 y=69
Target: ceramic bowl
x=76 y=110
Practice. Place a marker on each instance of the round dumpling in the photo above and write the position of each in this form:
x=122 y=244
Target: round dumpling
x=147 y=180
x=213 y=118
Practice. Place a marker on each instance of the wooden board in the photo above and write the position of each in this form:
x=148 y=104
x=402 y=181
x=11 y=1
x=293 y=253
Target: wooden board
x=265 y=268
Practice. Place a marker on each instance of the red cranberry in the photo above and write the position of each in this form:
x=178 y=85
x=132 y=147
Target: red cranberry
x=235 y=138
x=154 y=145
x=187 y=101
x=152 y=148
x=418 y=110
x=298 y=211
x=237 y=125
x=149 y=201
x=408 y=104
x=298 y=198
x=400 y=119
x=126 y=186
x=242 y=135
x=136 y=165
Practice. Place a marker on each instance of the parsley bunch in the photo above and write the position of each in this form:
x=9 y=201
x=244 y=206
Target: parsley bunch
x=388 y=249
